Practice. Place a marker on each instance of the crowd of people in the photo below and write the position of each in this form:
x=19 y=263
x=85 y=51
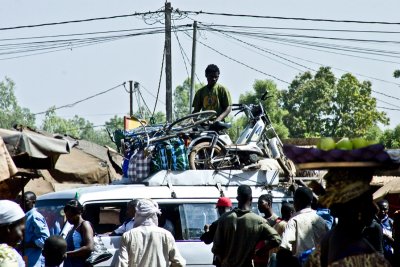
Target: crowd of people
x=352 y=230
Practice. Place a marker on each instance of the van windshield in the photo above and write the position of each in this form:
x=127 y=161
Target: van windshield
x=53 y=212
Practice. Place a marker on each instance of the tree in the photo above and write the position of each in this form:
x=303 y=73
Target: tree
x=391 y=138
x=76 y=127
x=321 y=105
x=396 y=73
x=10 y=112
x=181 y=98
x=271 y=105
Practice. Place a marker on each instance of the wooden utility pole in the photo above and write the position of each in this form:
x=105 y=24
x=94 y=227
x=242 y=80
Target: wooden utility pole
x=193 y=73
x=168 y=61
x=136 y=89
x=130 y=99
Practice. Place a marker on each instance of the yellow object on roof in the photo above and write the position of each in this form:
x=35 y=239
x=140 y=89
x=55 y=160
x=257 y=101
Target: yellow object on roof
x=133 y=122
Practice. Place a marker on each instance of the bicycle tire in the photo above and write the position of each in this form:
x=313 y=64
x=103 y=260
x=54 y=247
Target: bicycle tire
x=208 y=115
x=203 y=163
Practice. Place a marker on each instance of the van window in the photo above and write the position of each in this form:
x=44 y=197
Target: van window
x=194 y=217
x=53 y=212
x=105 y=217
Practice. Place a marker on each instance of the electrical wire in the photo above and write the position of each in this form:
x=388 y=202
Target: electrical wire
x=239 y=62
x=150 y=93
x=269 y=52
x=181 y=50
x=78 y=21
x=396 y=109
x=159 y=82
x=299 y=29
x=82 y=100
x=287 y=18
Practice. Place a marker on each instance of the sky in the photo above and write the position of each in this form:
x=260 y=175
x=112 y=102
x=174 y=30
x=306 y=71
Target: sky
x=63 y=77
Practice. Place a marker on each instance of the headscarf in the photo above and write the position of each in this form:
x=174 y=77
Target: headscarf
x=146 y=213
x=10 y=212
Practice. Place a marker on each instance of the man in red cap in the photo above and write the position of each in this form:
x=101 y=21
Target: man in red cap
x=224 y=204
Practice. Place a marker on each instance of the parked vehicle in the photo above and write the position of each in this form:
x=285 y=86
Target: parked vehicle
x=213 y=150
x=187 y=200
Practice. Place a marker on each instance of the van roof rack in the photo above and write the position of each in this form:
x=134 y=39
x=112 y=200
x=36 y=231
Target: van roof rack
x=214 y=178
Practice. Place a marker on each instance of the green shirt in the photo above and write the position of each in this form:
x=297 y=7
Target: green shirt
x=237 y=234
x=216 y=98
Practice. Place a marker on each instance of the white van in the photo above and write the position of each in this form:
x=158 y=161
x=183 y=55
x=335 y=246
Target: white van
x=187 y=200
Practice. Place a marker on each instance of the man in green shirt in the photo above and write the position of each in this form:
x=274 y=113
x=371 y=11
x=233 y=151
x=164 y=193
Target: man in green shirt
x=213 y=96
x=239 y=231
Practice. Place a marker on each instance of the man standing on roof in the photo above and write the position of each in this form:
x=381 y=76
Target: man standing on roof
x=36 y=231
x=238 y=232
x=213 y=96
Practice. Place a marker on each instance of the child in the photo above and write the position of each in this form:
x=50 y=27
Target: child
x=54 y=251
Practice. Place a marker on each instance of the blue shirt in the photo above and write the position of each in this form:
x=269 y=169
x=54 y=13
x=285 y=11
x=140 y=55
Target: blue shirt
x=387 y=227
x=36 y=231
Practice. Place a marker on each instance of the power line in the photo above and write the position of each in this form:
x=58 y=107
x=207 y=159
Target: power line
x=288 y=18
x=397 y=109
x=84 y=33
x=393 y=105
x=269 y=52
x=300 y=29
x=80 y=20
x=181 y=50
x=293 y=39
x=241 y=63
x=82 y=100
x=310 y=47
x=150 y=93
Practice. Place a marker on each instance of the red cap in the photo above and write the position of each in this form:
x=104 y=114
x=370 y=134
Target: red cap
x=224 y=202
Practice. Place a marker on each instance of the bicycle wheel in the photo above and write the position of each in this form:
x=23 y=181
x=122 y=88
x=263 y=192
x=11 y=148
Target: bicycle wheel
x=200 y=157
x=190 y=121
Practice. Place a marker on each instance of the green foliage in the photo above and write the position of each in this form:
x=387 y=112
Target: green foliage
x=374 y=133
x=391 y=138
x=10 y=112
x=321 y=105
x=77 y=127
x=271 y=105
x=181 y=98
x=396 y=73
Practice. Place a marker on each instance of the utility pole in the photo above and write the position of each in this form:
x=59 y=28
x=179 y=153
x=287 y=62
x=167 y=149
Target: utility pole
x=191 y=93
x=130 y=99
x=168 y=61
x=136 y=90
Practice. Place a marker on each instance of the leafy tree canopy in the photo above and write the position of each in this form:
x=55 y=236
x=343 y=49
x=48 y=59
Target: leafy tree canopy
x=321 y=105
x=391 y=138
x=76 y=127
x=181 y=98
x=396 y=73
x=10 y=112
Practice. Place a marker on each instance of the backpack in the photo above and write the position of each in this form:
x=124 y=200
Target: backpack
x=170 y=155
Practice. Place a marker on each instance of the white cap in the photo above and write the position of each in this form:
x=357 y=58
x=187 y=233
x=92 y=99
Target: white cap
x=10 y=212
